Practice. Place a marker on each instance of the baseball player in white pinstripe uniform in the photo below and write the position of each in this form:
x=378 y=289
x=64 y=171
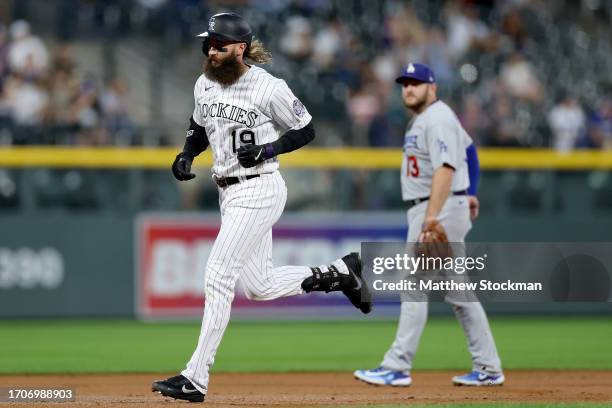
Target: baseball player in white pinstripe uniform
x=248 y=117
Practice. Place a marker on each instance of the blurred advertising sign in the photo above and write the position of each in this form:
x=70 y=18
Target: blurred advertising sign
x=28 y=268
x=64 y=264
x=172 y=251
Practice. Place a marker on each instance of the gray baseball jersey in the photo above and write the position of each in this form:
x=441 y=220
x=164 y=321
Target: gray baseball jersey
x=257 y=109
x=434 y=138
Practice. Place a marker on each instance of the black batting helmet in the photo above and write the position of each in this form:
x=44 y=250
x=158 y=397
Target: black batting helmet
x=226 y=27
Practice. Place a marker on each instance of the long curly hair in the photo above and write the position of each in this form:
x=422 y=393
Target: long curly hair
x=258 y=53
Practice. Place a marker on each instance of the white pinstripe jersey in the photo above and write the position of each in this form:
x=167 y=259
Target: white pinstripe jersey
x=258 y=109
x=434 y=138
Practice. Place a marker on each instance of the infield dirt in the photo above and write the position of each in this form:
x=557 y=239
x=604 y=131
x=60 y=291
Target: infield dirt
x=320 y=389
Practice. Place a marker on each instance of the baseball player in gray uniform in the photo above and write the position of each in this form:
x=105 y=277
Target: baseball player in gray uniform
x=248 y=117
x=435 y=180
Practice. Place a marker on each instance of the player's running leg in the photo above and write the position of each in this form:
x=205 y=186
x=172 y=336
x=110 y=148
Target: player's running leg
x=262 y=281
x=248 y=211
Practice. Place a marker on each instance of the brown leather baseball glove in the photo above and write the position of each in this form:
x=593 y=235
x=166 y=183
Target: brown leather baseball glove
x=433 y=242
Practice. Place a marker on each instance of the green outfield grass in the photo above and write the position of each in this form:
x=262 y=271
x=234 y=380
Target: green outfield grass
x=495 y=405
x=129 y=346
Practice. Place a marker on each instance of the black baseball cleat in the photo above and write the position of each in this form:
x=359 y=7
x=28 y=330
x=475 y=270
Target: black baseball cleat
x=358 y=294
x=178 y=387
x=352 y=285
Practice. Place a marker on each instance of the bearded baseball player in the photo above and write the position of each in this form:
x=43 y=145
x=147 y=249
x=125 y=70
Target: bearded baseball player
x=249 y=118
x=439 y=178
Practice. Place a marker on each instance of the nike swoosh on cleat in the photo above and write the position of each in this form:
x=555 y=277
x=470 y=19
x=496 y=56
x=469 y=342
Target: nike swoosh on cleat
x=358 y=283
x=188 y=391
x=482 y=377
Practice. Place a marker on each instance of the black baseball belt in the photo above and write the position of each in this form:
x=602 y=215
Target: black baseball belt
x=228 y=181
x=412 y=203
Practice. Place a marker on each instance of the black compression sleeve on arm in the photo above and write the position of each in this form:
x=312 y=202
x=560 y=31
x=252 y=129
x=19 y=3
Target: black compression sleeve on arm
x=293 y=139
x=197 y=140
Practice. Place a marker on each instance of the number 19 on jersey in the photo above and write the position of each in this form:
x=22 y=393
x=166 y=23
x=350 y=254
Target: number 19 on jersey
x=246 y=137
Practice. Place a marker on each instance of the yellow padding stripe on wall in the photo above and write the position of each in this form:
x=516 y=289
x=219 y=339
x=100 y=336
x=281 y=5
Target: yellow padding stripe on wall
x=323 y=158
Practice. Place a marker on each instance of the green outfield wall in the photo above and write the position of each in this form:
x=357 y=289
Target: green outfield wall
x=67 y=264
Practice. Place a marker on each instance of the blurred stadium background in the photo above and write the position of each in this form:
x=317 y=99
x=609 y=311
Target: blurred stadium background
x=520 y=74
x=95 y=97
x=94 y=102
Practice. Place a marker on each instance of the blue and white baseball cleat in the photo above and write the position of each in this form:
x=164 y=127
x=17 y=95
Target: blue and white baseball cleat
x=477 y=378
x=384 y=376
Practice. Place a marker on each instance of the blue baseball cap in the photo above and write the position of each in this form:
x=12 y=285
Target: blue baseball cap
x=420 y=72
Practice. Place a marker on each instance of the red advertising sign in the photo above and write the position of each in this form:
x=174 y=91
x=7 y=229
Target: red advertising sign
x=173 y=251
x=172 y=262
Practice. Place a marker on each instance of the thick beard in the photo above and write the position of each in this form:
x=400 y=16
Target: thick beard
x=419 y=105
x=227 y=73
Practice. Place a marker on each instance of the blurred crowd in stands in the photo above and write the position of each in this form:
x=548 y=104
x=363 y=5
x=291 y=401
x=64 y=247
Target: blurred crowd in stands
x=517 y=72
x=44 y=101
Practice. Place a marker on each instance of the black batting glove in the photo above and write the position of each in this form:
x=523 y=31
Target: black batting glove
x=252 y=155
x=181 y=168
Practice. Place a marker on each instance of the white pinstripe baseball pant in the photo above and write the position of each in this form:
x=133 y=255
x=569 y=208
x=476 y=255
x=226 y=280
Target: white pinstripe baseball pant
x=243 y=249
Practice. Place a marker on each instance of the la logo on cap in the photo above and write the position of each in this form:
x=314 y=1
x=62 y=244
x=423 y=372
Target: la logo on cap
x=410 y=69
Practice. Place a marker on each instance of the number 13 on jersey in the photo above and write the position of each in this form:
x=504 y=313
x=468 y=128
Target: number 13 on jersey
x=413 y=167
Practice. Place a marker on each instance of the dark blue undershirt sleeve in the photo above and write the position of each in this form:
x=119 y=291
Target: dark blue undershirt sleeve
x=473 y=169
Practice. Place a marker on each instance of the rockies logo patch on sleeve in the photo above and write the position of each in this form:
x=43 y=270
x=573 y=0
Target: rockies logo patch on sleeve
x=298 y=108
